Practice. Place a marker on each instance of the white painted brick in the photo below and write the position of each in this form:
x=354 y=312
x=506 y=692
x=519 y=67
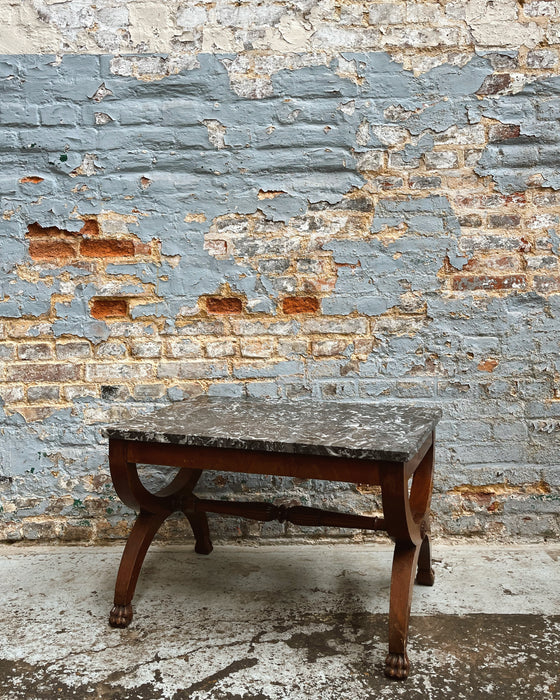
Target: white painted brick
x=441 y=160
x=386 y=13
x=221 y=348
x=145 y=348
x=260 y=348
x=108 y=372
x=183 y=347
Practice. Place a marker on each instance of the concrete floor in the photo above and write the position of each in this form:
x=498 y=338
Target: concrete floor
x=275 y=622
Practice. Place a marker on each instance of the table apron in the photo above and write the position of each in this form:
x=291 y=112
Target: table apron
x=301 y=466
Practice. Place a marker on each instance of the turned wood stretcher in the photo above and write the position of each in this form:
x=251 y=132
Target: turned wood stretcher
x=375 y=444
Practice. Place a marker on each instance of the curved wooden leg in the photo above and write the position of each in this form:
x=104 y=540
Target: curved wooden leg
x=407 y=522
x=199 y=525
x=143 y=532
x=425 y=575
x=405 y=560
x=154 y=509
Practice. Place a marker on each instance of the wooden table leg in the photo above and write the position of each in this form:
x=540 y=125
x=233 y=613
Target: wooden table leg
x=154 y=509
x=407 y=522
x=143 y=532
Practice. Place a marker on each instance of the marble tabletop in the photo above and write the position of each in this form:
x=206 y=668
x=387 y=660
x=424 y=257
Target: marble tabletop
x=375 y=431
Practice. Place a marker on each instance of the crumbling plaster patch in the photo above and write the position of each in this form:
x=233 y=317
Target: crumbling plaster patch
x=416 y=33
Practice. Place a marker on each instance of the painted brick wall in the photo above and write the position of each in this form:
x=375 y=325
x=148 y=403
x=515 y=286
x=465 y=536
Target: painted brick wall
x=343 y=200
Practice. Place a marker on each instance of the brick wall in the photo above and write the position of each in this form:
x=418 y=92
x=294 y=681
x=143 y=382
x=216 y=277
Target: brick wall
x=340 y=200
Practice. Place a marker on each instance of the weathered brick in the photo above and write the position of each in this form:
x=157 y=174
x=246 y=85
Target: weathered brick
x=145 y=348
x=544 y=284
x=224 y=305
x=73 y=349
x=109 y=308
x=226 y=389
x=106 y=248
x=79 y=391
x=502 y=132
x=340 y=326
x=328 y=347
x=11 y=394
x=114 y=393
x=422 y=182
x=490 y=283
x=201 y=328
x=41 y=372
x=216 y=246
x=109 y=371
x=149 y=391
x=495 y=83
x=258 y=348
x=470 y=220
x=441 y=160
x=542 y=58
x=110 y=349
x=43 y=392
x=221 y=348
x=51 y=250
x=504 y=220
x=243 y=327
x=35 y=351
x=182 y=347
x=192 y=369
x=300 y=305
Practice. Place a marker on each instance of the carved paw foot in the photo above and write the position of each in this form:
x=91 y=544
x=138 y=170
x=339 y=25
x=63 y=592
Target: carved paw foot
x=203 y=547
x=397 y=666
x=120 y=616
x=425 y=577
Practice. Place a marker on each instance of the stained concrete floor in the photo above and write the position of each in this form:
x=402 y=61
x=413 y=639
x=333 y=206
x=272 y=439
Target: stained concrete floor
x=275 y=622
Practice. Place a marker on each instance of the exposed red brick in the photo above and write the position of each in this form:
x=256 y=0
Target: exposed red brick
x=90 y=228
x=51 y=250
x=34 y=179
x=300 y=305
x=224 y=305
x=490 y=283
x=109 y=308
x=107 y=248
x=488 y=365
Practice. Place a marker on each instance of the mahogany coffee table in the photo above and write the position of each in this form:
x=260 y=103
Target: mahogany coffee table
x=363 y=443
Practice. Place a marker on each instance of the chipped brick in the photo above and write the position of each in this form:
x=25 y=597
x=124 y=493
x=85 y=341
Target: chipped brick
x=107 y=248
x=502 y=132
x=495 y=83
x=47 y=250
x=489 y=283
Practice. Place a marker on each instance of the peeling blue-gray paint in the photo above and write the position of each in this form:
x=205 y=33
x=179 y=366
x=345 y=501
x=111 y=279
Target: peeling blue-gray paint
x=297 y=143
x=426 y=234
x=280 y=144
x=515 y=162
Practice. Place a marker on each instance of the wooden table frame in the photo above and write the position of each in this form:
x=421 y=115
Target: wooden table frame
x=406 y=513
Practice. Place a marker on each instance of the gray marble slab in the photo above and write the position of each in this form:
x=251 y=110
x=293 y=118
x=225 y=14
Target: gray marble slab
x=357 y=430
